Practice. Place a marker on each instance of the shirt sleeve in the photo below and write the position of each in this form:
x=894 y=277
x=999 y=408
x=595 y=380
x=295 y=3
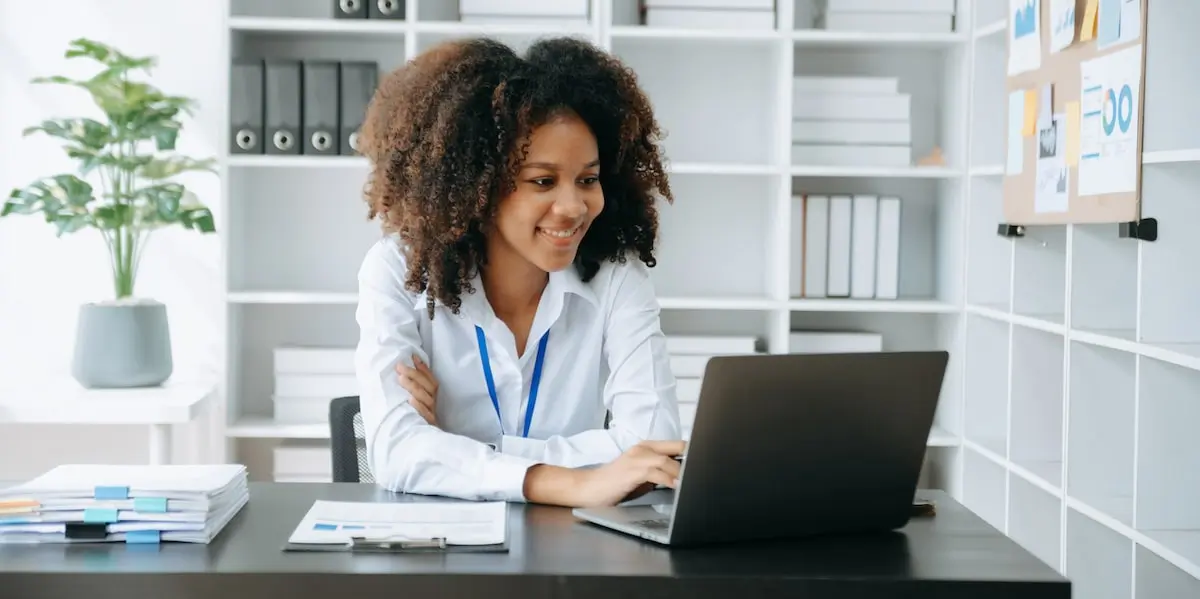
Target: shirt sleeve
x=640 y=389
x=405 y=453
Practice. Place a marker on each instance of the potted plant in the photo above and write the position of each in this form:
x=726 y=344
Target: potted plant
x=124 y=189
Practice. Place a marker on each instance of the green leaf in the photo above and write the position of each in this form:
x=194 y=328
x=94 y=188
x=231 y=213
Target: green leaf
x=163 y=200
x=107 y=55
x=198 y=219
x=163 y=168
x=50 y=195
x=113 y=216
x=70 y=223
x=82 y=132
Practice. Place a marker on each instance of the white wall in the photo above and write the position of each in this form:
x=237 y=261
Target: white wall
x=43 y=279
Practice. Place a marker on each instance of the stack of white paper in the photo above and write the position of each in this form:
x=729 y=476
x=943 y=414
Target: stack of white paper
x=81 y=503
x=711 y=14
x=850 y=121
x=546 y=13
x=888 y=16
x=689 y=355
x=308 y=378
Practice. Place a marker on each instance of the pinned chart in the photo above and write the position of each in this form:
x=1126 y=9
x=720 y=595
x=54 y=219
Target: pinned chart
x=1074 y=143
x=1025 y=36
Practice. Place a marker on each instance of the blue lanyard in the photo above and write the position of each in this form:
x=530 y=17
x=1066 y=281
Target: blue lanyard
x=533 y=384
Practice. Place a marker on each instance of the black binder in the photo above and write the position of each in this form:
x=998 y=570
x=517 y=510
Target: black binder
x=320 y=108
x=385 y=9
x=283 y=91
x=246 y=107
x=391 y=545
x=350 y=9
x=357 y=86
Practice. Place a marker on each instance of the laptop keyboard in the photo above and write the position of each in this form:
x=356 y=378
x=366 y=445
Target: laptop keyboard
x=654 y=524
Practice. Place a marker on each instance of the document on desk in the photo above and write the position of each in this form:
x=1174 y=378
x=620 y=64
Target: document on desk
x=403 y=526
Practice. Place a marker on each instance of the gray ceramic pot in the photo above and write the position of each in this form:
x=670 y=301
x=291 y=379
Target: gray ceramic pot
x=122 y=344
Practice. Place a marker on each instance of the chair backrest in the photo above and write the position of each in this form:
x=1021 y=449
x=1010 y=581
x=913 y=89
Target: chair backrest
x=348 y=441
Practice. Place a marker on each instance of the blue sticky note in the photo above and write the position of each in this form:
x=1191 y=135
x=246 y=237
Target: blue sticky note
x=154 y=505
x=94 y=515
x=111 y=492
x=143 y=537
x=1108 y=23
x=1014 y=142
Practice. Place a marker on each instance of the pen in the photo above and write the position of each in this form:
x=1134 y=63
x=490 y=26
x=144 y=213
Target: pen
x=394 y=542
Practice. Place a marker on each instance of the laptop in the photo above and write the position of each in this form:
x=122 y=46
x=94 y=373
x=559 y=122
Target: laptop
x=795 y=445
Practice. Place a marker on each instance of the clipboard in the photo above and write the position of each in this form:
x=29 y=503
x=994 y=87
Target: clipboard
x=396 y=545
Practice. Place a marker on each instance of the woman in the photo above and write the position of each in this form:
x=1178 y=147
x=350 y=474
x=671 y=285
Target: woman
x=509 y=307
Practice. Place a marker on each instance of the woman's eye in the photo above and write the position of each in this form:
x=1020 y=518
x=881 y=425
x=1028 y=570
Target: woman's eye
x=590 y=180
x=543 y=181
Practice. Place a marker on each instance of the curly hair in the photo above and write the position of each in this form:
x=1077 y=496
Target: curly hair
x=447 y=132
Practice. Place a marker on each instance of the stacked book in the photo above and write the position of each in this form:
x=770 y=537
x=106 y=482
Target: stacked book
x=91 y=503
x=848 y=246
x=542 y=13
x=711 y=14
x=850 y=121
x=303 y=461
x=307 y=379
x=689 y=354
x=887 y=16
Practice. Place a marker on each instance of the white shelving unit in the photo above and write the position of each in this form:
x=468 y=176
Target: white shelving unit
x=1083 y=349
x=1075 y=356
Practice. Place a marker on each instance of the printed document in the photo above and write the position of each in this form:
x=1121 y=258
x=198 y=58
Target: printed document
x=459 y=523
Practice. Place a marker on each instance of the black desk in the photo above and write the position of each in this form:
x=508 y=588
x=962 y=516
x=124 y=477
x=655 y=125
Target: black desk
x=955 y=554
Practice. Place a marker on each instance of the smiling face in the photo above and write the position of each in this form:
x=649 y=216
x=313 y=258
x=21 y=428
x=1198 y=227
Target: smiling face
x=557 y=195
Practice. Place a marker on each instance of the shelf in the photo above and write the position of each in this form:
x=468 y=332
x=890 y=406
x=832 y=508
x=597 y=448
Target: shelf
x=900 y=306
x=266 y=428
x=1035 y=520
x=987 y=383
x=818 y=37
x=985 y=488
x=1097 y=559
x=900 y=172
x=1104 y=280
x=1167 y=491
x=665 y=34
x=992 y=28
x=355 y=27
x=1036 y=413
x=1171 y=156
x=1039 y=272
x=717 y=303
x=265 y=161
x=290 y=297
x=1100 y=430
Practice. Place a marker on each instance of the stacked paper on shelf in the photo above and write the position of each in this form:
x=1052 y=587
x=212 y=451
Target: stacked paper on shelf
x=689 y=355
x=308 y=378
x=303 y=461
x=848 y=121
x=525 y=12
x=711 y=14
x=94 y=503
x=887 y=16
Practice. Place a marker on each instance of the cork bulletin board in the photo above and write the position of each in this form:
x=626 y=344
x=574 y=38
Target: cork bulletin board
x=1073 y=128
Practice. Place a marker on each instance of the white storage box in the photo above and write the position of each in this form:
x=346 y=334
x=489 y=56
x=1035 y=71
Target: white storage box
x=297 y=461
x=887 y=22
x=863 y=107
x=852 y=132
x=910 y=6
x=834 y=342
x=526 y=8
x=816 y=84
x=686 y=18
x=711 y=345
x=852 y=155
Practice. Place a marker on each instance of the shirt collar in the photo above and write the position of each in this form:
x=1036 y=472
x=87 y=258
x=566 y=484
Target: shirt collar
x=561 y=283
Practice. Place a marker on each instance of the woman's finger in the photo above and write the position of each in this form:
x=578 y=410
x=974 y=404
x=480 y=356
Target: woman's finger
x=424 y=411
x=420 y=378
x=417 y=392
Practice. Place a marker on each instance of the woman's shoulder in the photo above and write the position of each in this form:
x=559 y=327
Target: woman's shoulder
x=384 y=265
x=617 y=279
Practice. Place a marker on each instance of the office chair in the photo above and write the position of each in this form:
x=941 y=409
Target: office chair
x=348 y=442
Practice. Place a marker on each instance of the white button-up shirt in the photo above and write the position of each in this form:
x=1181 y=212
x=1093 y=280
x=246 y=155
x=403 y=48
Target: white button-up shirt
x=606 y=352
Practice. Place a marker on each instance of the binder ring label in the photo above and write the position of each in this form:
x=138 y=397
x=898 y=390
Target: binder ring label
x=354 y=141
x=348 y=6
x=388 y=7
x=283 y=140
x=322 y=140
x=247 y=139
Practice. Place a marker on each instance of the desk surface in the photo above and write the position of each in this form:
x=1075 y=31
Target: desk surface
x=552 y=554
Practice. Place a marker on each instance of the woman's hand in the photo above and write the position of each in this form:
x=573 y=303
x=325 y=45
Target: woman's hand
x=632 y=474
x=419 y=382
